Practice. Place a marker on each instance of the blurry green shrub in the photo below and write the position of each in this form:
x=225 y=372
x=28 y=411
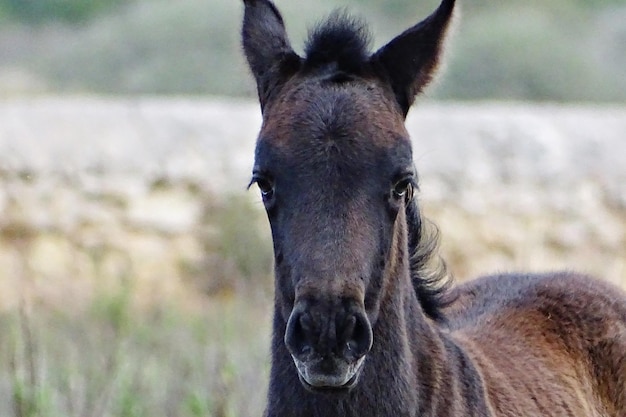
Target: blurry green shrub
x=113 y=308
x=545 y=53
x=240 y=239
x=39 y=11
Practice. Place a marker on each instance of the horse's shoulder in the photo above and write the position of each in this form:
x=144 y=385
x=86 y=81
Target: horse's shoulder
x=559 y=328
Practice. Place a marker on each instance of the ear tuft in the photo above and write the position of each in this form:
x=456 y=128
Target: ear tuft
x=410 y=60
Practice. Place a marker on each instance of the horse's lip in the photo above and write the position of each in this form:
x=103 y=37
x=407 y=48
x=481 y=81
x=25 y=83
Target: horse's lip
x=331 y=388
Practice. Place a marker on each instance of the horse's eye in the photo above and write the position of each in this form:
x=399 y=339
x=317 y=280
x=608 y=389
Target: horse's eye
x=403 y=189
x=266 y=187
x=265 y=184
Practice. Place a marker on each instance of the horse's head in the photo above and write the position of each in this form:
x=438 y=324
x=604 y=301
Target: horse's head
x=335 y=170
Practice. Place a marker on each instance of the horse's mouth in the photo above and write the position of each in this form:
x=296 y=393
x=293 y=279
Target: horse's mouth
x=330 y=388
x=322 y=382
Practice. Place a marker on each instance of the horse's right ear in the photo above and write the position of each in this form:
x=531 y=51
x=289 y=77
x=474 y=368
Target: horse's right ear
x=409 y=61
x=269 y=53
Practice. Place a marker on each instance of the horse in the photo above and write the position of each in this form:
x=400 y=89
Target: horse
x=366 y=320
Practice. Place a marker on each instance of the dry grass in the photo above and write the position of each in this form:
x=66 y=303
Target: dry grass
x=479 y=243
x=208 y=355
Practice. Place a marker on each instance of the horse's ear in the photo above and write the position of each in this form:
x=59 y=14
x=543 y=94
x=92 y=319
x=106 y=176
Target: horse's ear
x=269 y=53
x=410 y=60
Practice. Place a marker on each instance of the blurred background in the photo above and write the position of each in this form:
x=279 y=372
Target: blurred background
x=562 y=50
x=135 y=268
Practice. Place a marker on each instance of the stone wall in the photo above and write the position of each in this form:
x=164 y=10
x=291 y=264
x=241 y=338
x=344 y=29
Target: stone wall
x=97 y=193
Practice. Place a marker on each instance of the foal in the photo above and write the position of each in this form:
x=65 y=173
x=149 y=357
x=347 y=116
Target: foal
x=365 y=321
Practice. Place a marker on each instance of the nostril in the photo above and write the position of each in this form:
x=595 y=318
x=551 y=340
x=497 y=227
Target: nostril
x=306 y=329
x=299 y=327
x=358 y=335
x=349 y=329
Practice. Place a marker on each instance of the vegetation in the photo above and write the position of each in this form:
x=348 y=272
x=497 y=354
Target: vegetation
x=202 y=353
x=207 y=356
x=560 y=50
x=39 y=11
x=112 y=360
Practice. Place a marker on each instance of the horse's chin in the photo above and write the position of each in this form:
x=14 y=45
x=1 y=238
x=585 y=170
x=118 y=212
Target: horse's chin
x=343 y=380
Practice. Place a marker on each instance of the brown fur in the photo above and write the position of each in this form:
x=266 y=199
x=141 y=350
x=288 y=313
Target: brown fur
x=563 y=335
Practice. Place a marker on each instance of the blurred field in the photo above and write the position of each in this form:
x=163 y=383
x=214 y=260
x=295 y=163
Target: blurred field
x=559 y=50
x=113 y=360
x=135 y=267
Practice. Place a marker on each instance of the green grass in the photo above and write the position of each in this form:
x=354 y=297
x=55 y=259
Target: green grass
x=112 y=360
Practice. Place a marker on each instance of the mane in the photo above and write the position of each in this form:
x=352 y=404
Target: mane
x=429 y=274
x=341 y=43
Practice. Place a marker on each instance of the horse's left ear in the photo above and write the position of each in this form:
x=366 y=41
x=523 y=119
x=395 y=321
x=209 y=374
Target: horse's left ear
x=410 y=60
x=267 y=48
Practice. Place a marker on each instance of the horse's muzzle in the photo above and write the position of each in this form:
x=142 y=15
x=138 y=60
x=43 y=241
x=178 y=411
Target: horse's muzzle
x=328 y=343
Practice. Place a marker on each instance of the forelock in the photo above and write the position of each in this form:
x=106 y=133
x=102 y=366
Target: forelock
x=341 y=43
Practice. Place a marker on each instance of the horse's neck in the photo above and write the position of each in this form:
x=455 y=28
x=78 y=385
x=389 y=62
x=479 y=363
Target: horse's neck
x=447 y=380
x=414 y=353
